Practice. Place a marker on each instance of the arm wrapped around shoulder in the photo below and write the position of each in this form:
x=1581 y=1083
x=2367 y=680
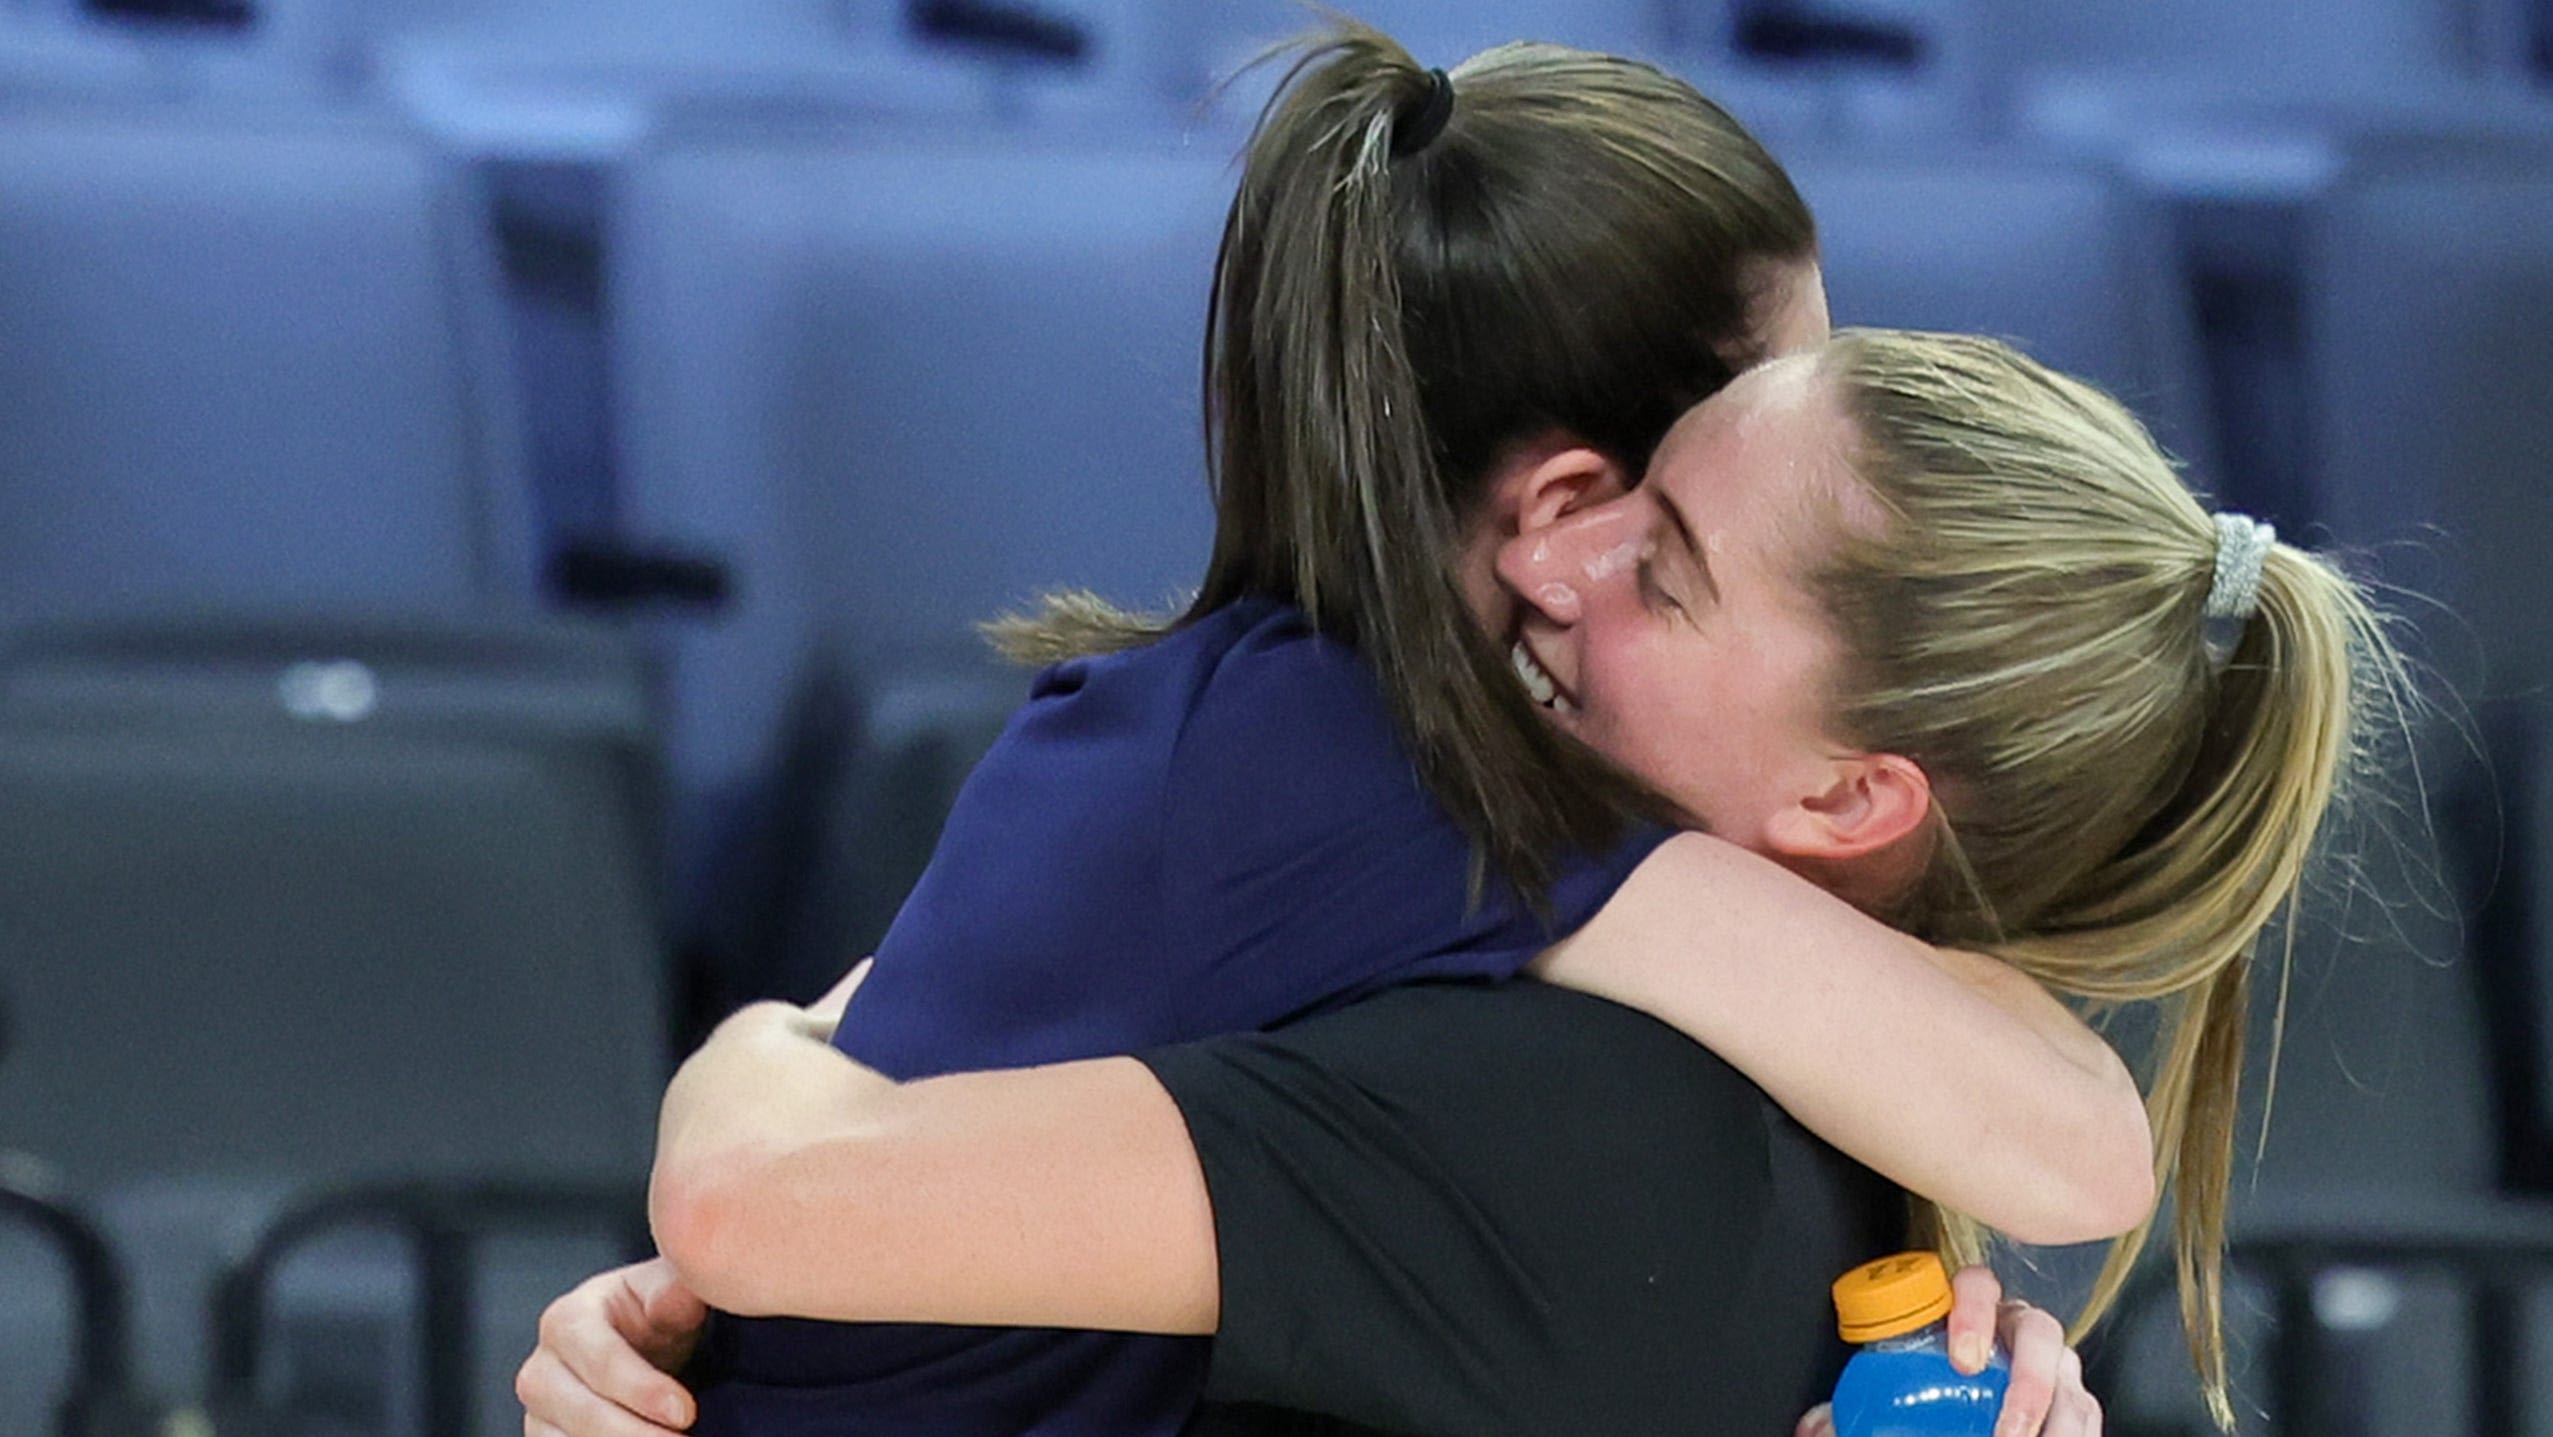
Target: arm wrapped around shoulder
x=791 y=1181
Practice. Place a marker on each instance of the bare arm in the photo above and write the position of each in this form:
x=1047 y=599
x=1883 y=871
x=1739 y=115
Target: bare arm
x=791 y=1180
x=1948 y=1072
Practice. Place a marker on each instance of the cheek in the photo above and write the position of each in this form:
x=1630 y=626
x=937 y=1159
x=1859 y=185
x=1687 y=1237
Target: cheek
x=1619 y=673
x=1652 y=708
x=1713 y=729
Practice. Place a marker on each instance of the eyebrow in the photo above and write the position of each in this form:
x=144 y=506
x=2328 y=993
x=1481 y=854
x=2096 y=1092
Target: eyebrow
x=1692 y=546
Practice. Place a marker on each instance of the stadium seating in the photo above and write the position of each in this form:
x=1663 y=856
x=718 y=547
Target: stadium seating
x=255 y=362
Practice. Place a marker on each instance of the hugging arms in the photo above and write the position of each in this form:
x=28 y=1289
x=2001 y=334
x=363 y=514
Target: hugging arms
x=748 y=1180
x=1824 y=629
x=1445 y=1209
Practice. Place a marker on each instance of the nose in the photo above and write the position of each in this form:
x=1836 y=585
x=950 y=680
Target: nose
x=1558 y=567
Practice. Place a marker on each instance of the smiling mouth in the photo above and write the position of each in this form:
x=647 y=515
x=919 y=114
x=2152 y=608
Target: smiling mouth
x=1539 y=684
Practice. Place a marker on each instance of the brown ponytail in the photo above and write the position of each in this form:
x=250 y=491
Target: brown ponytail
x=1577 y=248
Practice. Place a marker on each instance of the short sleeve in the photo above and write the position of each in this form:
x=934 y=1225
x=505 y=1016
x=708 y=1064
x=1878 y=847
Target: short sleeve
x=1510 y=1209
x=1306 y=863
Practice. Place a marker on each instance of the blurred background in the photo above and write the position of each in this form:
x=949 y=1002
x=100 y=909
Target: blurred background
x=494 y=495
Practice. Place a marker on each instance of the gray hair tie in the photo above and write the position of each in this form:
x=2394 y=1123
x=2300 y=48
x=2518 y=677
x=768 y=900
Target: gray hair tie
x=2233 y=592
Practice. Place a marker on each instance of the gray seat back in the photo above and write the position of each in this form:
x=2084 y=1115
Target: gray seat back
x=252 y=360
x=309 y=902
x=900 y=382
x=2058 y=256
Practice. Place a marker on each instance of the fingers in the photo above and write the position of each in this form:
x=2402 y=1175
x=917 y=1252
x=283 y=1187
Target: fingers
x=1818 y=1421
x=827 y=1010
x=605 y=1347
x=1975 y=1295
x=2042 y=1368
x=2075 y=1412
x=666 y=1308
x=556 y=1404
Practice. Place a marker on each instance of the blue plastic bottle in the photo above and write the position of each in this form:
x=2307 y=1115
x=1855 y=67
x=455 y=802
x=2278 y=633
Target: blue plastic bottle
x=1901 y=1383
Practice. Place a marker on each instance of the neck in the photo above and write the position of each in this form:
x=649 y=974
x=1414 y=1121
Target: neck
x=1878 y=882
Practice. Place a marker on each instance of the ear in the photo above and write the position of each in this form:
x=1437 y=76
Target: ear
x=1870 y=803
x=1547 y=481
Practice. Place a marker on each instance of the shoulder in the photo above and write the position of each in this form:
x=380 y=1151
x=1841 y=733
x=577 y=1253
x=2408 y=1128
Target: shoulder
x=1492 y=1067
x=1596 y=1206
x=1253 y=678
x=1279 y=693
x=1291 y=801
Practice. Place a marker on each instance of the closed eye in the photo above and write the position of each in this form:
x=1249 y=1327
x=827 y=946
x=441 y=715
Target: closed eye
x=1652 y=593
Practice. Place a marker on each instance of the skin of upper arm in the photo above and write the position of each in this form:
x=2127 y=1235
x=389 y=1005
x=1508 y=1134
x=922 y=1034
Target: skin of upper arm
x=790 y=1180
x=1948 y=1072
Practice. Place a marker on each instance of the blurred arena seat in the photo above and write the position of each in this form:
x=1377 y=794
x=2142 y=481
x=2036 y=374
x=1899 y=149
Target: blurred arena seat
x=54 y=61
x=1194 y=46
x=2045 y=54
x=2428 y=276
x=898 y=381
x=558 y=86
x=66 y=1344
x=404 y=1307
x=873 y=816
x=300 y=902
x=1833 y=71
x=254 y=360
x=2059 y=256
x=329 y=898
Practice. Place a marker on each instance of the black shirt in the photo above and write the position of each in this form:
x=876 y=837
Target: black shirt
x=1469 y=1211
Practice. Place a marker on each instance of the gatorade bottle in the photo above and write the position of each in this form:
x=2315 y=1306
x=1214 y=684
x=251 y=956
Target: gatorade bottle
x=1901 y=1383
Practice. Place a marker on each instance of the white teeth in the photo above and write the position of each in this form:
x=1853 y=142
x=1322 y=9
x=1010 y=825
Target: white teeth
x=1538 y=683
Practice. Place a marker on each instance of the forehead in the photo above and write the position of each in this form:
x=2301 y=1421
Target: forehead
x=1764 y=467
x=1775 y=423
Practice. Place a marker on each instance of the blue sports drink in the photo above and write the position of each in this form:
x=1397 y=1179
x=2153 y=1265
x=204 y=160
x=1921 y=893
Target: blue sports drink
x=1901 y=1383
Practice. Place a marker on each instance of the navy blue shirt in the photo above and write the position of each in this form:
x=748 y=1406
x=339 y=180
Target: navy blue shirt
x=1214 y=833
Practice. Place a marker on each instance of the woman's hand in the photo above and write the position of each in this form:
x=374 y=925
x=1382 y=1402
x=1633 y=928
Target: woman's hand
x=606 y=1349
x=608 y=1346
x=2046 y=1396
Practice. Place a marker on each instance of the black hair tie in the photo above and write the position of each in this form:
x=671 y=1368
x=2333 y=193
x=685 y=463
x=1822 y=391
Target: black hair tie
x=1416 y=128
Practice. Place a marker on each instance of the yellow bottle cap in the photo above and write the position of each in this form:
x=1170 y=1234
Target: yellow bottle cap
x=1891 y=1297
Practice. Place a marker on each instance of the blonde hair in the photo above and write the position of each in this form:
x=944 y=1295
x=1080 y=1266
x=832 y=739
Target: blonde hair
x=2118 y=813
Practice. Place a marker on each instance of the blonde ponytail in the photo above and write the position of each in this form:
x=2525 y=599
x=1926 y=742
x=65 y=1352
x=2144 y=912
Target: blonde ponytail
x=2122 y=812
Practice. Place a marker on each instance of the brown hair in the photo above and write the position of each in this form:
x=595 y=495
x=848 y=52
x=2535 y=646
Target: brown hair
x=1578 y=250
x=2119 y=812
